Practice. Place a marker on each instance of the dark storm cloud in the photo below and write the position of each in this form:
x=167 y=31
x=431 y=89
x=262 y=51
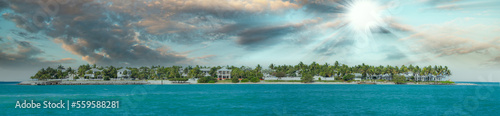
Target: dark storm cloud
x=3 y=5
x=87 y=29
x=259 y=37
x=270 y=35
x=21 y=22
x=194 y=21
x=25 y=35
x=25 y=48
x=22 y=54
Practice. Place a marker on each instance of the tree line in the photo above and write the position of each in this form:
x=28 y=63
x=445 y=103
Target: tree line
x=368 y=72
x=336 y=70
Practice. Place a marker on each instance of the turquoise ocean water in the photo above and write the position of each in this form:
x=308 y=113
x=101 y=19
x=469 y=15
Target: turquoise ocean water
x=249 y=99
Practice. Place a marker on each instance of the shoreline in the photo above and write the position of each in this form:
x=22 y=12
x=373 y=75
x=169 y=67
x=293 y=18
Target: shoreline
x=166 y=82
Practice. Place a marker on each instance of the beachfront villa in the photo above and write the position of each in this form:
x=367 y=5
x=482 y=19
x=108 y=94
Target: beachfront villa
x=92 y=74
x=183 y=74
x=224 y=73
x=357 y=76
x=123 y=74
x=205 y=72
x=267 y=75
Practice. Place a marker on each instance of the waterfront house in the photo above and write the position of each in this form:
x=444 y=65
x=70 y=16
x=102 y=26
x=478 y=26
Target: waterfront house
x=224 y=73
x=323 y=78
x=297 y=73
x=92 y=74
x=205 y=72
x=267 y=75
x=183 y=74
x=123 y=74
x=357 y=76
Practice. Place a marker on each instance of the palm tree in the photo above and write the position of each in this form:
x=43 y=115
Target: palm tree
x=447 y=72
x=416 y=72
x=371 y=71
x=71 y=72
x=60 y=67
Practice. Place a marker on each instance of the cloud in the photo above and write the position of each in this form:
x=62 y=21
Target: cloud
x=451 y=39
x=394 y=54
x=394 y=24
x=270 y=35
x=434 y=2
x=334 y=45
x=16 y=54
x=3 y=5
x=460 y=4
x=63 y=61
x=21 y=22
x=25 y=35
x=493 y=62
x=185 y=15
x=153 y=27
x=207 y=57
x=87 y=29
x=328 y=6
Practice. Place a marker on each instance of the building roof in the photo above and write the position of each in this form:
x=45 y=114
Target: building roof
x=95 y=70
x=124 y=69
x=205 y=69
x=224 y=69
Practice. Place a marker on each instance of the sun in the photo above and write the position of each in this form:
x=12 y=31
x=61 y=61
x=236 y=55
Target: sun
x=363 y=15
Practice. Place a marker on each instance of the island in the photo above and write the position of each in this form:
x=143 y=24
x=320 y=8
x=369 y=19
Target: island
x=301 y=73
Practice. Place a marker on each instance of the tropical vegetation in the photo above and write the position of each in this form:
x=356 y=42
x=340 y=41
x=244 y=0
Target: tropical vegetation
x=306 y=72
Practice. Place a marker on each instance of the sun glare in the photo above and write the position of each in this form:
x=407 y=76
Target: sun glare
x=363 y=15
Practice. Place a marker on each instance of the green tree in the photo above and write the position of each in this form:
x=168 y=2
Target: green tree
x=280 y=74
x=235 y=80
x=255 y=79
x=258 y=68
x=307 y=78
x=179 y=80
x=106 y=78
x=399 y=79
x=348 y=77
x=207 y=79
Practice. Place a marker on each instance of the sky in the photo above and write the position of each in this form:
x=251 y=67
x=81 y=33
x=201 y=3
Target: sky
x=461 y=34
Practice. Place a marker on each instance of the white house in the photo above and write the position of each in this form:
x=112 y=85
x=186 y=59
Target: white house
x=93 y=74
x=267 y=75
x=323 y=78
x=123 y=73
x=224 y=73
x=183 y=74
x=205 y=72
x=357 y=76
